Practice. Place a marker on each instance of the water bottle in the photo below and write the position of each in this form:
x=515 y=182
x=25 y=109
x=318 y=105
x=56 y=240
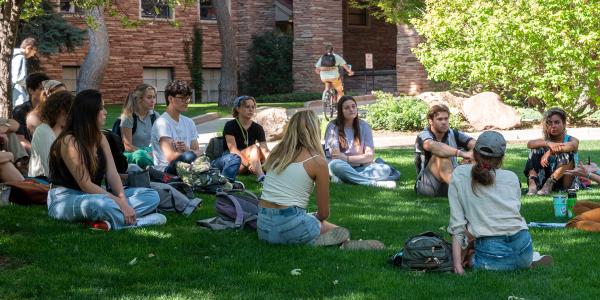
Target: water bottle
x=571 y=199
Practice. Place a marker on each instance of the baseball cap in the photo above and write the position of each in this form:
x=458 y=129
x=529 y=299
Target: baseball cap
x=491 y=143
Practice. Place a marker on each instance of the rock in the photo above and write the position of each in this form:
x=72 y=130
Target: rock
x=446 y=98
x=487 y=111
x=273 y=120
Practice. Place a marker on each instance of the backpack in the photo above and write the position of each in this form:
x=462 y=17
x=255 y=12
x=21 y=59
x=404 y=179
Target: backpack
x=201 y=176
x=427 y=252
x=117 y=149
x=26 y=192
x=421 y=160
x=235 y=209
x=215 y=148
x=328 y=60
x=116 y=128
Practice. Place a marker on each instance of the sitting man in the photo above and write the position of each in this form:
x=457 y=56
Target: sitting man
x=20 y=112
x=436 y=150
x=174 y=136
x=551 y=155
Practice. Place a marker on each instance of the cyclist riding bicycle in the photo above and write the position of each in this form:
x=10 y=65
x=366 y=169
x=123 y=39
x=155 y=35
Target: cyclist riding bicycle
x=328 y=68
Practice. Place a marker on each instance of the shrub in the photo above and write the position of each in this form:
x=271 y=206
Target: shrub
x=397 y=113
x=270 y=70
x=290 y=97
x=541 y=51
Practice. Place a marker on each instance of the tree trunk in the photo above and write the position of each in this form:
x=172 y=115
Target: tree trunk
x=228 y=84
x=10 y=11
x=92 y=70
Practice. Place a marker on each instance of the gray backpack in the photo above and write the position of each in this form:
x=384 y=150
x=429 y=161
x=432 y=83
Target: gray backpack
x=172 y=199
x=236 y=209
x=427 y=252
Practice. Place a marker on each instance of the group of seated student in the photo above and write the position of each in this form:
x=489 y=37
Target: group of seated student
x=68 y=148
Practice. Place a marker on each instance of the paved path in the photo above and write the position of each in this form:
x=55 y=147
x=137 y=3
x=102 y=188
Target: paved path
x=390 y=140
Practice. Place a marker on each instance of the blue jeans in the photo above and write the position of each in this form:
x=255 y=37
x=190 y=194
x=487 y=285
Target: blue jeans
x=73 y=205
x=365 y=175
x=186 y=157
x=504 y=253
x=228 y=164
x=290 y=225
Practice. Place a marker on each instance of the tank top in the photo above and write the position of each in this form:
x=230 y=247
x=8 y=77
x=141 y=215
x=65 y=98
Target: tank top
x=61 y=176
x=291 y=187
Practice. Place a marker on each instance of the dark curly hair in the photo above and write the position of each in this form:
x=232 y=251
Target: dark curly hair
x=177 y=87
x=55 y=104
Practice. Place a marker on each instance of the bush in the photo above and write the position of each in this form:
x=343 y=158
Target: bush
x=290 y=97
x=397 y=113
x=270 y=70
x=541 y=51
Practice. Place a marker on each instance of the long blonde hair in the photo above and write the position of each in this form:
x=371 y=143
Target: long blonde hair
x=132 y=103
x=303 y=131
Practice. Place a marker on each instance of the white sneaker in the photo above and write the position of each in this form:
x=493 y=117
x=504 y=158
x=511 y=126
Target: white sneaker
x=151 y=219
x=386 y=184
x=541 y=260
x=335 y=179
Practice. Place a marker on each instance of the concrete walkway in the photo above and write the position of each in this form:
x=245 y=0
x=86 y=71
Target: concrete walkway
x=209 y=129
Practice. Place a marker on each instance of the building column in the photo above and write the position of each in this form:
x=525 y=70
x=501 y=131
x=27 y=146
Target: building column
x=411 y=76
x=316 y=23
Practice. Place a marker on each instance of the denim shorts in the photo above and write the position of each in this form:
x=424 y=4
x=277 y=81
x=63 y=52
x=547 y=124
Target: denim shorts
x=290 y=225
x=504 y=253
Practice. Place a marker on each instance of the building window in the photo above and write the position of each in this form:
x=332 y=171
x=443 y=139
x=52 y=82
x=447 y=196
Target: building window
x=67 y=6
x=358 y=17
x=207 y=10
x=155 y=9
x=70 y=78
x=210 y=87
x=158 y=78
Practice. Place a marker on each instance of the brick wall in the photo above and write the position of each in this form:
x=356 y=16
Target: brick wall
x=410 y=74
x=316 y=22
x=154 y=44
x=377 y=38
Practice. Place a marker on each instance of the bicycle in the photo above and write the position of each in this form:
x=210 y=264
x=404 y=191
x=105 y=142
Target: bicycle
x=329 y=103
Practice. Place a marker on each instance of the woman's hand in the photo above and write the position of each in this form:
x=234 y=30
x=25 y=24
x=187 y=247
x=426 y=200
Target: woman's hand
x=555 y=147
x=128 y=213
x=458 y=269
x=545 y=158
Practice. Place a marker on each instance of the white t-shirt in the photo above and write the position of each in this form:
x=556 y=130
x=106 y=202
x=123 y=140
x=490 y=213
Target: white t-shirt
x=165 y=126
x=334 y=73
x=43 y=137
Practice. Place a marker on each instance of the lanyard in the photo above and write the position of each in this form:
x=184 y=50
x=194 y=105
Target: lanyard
x=244 y=132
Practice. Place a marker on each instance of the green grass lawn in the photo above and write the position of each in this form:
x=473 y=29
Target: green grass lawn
x=114 y=110
x=43 y=258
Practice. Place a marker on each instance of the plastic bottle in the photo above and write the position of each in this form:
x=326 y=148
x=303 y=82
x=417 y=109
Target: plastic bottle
x=571 y=199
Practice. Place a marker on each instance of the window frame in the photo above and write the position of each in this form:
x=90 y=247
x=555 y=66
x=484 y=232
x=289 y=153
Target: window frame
x=367 y=17
x=66 y=82
x=159 y=90
x=156 y=18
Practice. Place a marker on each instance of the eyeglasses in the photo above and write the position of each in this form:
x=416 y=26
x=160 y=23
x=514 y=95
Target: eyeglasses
x=183 y=99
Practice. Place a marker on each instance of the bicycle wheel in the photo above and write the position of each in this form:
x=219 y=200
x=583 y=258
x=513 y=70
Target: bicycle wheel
x=332 y=102
x=326 y=104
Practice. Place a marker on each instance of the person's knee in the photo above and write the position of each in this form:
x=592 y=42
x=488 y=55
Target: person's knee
x=233 y=159
x=336 y=165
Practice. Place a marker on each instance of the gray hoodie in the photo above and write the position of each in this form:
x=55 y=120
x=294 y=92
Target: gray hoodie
x=18 y=75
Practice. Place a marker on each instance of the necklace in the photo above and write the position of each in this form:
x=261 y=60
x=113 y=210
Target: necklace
x=244 y=132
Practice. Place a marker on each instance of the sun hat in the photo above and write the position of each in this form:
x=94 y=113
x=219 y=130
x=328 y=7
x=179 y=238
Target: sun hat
x=491 y=143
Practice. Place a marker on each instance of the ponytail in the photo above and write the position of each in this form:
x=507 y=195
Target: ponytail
x=484 y=170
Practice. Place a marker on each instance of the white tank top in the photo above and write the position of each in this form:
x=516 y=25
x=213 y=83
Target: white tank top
x=291 y=187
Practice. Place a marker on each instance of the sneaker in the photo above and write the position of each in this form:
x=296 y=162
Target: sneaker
x=362 y=245
x=541 y=260
x=335 y=179
x=332 y=237
x=100 y=225
x=152 y=219
x=386 y=184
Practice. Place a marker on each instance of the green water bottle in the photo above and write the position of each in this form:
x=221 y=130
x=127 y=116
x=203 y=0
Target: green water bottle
x=571 y=199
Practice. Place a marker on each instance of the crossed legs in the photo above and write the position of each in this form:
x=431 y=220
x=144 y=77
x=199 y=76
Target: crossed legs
x=252 y=159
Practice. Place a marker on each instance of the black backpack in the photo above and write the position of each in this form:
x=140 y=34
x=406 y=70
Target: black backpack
x=426 y=252
x=116 y=128
x=328 y=60
x=117 y=148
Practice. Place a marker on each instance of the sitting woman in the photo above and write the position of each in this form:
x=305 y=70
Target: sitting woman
x=242 y=155
x=294 y=167
x=485 y=203
x=136 y=125
x=49 y=87
x=551 y=156
x=350 y=142
x=53 y=114
x=587 y=212
x=80 y=159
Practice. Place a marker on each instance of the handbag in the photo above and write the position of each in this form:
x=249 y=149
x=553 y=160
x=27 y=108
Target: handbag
x=28 y=192
x=215 y=148
x=138 y=179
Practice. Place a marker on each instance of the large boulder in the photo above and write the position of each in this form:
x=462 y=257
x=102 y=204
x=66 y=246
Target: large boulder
x=487 y=111
x=446 y=98
x=273 y=120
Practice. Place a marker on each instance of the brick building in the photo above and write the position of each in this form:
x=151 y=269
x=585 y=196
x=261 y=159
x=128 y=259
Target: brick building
x=153 y=52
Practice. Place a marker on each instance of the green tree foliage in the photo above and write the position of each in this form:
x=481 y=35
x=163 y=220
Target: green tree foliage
x=193 y=60
x=270 y=70
x=392 y=11
x=52 y=31
x=543 y=51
